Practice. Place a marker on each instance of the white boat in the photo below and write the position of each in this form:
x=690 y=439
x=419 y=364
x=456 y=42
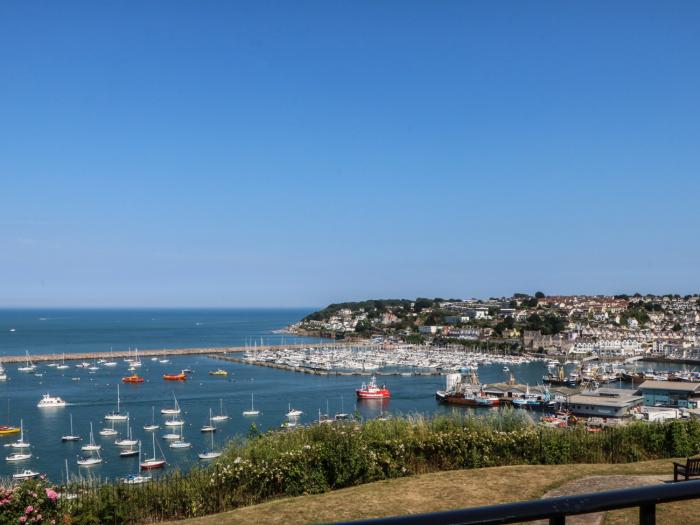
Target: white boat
x=138 y=478
x=211 y=453
x=154 y=462
x=50 y=402
x=180 y=443
x=221 y=416
x=90 y=461
x=171 y=436
x=25 y=474
x=171 y=411
x=210 y=427
x=109 y=431
x=174 y=422
x=252 y=411
x=71 y=436
x=128 y=441
x=92 y=446
x=20 y=443
x=63 y=365
x=165 y=359
x=18 y=456
x=29 y=367
x=293 y=412
x=117 y=416
x=3 y=374
x=152 y=426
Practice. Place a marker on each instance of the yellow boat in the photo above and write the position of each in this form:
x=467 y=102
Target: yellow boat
x=5 y=430
x=218 y=372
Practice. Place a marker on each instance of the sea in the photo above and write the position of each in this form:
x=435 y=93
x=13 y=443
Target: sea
x=92 y=394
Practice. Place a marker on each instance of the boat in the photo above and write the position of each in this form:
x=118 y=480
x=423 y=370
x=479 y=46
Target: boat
x=131 y=451
x=71 y=436
x=128 y=441
x=221 y=416
x=18 y=456
x=50 y=402
x=63 y=365
x=165 y=359
x=3 y=374
x=465 y=389
x=152 y=426
x=138 y=478
x=29 y=366
x=92 y=446
x=117 y=416
x=6 y=430
x=372 y=391
x=154 y=462
x=90 y=461
x=175 y=377
x=20 y=443
x=293 y=412
x=25 y=474
x=171 y=436
x=252 y=411
x=534 y=401
x=218 y=372
x=174 y=422
x=109 y=431
x=342 y=415
x=211 y=453
x=133 y=378
x=171 y=411
x=180 y=443
x=210 y=427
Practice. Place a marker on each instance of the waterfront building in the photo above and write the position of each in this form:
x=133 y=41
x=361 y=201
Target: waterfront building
x=670 y=394
x=605 y=402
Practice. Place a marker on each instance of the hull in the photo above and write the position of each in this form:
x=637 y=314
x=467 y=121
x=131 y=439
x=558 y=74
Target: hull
x=152 y=464
x=466 y=401
x=372 y=395
x=178 y=377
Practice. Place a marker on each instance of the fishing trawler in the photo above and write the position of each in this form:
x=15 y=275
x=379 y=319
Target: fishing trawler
x=372 y=391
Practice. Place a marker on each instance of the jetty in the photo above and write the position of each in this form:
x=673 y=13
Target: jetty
x=89 y=356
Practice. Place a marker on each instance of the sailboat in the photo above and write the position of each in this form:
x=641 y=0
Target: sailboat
x=63 y=365
x=29 y=367
x=111 y=361
x=109 y=431
x=152 y=426
x=92 y=446
x=90 y=460
x=211 y=453
x=165 y=359
x=18 y=456
x=71 y=436
x=154 y=462
x=293 y=412
x=117 y=416
x=138 y=478
x=171 y=411
x=180 y=443
x=174 y=422
x=131 y=451
x=20 y=443
x=252 y=411
x=128 y=441
x=341 y=416
x=136 y=362
x=221 y=416
x=210 y=427
x=3 y=374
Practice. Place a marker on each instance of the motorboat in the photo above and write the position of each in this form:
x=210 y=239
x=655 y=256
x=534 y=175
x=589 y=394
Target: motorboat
x=48 y=401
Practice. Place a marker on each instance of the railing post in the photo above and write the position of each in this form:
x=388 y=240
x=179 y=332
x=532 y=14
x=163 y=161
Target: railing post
x=557 y=520
x=647 y=514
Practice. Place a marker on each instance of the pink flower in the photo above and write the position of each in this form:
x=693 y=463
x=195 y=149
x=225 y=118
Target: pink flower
x=51 y=494
x=22 y=519
x=28 y=510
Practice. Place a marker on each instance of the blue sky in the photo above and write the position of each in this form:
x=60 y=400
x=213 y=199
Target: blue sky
x=199 y=153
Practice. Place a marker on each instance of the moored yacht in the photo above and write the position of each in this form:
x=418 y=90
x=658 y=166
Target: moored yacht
x=48 y=401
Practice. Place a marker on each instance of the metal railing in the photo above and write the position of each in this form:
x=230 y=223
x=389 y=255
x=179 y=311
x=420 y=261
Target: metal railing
x=555 y=509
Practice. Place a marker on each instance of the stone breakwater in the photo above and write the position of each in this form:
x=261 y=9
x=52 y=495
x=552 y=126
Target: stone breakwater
x=89 y=356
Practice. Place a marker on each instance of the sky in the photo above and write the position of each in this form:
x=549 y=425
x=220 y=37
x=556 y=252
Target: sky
x=216 y=153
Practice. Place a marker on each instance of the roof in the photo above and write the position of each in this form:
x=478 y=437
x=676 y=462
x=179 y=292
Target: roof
x=587 y=399
x=677 y=386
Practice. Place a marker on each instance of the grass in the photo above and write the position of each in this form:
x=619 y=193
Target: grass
x=443 y=491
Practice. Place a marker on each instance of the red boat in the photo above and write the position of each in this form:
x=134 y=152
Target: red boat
x=372 y=391
x=175 y=377
x=135 y=378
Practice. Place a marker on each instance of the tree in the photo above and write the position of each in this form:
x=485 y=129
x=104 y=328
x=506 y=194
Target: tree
x=421 y=304
x=539 y=295
x=677 y=327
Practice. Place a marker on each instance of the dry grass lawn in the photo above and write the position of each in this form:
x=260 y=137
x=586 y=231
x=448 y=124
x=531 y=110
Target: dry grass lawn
x=444 y=491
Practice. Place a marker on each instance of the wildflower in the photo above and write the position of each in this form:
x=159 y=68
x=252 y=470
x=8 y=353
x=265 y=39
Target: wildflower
x=51 y=494
x=29 y=509
x=22 y=519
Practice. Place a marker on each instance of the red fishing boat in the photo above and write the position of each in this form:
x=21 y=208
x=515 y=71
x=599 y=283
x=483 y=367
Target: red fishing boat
x=372 y=391
x=134 y=378
x=175 y=377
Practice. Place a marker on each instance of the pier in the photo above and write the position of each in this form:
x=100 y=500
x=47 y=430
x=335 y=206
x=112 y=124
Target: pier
x=89 y=356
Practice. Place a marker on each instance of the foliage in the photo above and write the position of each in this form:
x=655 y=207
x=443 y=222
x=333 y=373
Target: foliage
x=32 y=501
x=319 y=458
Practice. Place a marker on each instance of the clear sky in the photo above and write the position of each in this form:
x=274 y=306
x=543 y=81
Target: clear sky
x=202 y=153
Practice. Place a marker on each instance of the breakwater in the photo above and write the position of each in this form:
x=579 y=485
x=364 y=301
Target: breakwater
x=89 y=356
